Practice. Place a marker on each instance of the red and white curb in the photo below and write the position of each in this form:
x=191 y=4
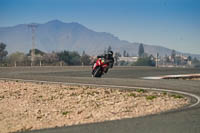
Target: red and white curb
x=175 y=76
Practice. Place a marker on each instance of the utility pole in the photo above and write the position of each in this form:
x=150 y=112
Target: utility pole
x=157 y=56
x=33 y=27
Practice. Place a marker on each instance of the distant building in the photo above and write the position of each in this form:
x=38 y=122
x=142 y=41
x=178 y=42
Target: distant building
x=128 y=59
x=177 y=61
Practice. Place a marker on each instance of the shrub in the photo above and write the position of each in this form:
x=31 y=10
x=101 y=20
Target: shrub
x=140 y=90
x=145 y=61
x=150 y=97
x=177 y=96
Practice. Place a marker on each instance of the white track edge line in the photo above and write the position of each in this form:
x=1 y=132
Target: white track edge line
x=114 y=86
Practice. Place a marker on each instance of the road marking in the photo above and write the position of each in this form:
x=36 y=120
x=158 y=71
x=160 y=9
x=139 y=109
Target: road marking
x=152 y=77
x=114 y=86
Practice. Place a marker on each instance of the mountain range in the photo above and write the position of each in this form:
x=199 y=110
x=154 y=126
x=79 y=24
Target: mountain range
x=56 y=36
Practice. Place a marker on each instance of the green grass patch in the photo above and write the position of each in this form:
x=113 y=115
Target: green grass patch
x=65 y=113
x=150 y=97
x=164 y=93
x=132 y=95
x=177 y=96
x=140 y=90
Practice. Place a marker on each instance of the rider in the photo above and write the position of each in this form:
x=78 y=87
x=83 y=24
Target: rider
x=108 y=57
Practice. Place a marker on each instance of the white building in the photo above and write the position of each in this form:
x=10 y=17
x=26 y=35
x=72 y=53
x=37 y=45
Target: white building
x=128 y=59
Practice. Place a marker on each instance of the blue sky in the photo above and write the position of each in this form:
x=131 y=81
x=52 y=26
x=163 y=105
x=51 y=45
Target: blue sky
x=171 y=23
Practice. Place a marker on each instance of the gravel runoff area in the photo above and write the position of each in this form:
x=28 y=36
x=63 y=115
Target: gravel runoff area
x=28 y=106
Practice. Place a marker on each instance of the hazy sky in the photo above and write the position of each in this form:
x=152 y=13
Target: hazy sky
x=171 y=23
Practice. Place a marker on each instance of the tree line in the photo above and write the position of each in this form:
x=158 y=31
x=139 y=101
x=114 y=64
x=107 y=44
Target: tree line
x=42 y=58
x=149 y=60
x=144 y=59
x=71 y=58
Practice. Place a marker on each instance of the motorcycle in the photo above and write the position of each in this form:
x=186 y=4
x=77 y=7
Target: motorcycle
x=100 y=67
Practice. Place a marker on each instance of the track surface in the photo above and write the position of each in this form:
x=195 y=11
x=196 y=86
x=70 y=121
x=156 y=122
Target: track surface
x=182 y=121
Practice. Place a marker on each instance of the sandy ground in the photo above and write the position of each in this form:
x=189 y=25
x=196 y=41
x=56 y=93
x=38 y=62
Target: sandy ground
x=29 y=106
x=195 y=79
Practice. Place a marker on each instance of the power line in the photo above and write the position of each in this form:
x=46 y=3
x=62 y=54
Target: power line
x=33 y=28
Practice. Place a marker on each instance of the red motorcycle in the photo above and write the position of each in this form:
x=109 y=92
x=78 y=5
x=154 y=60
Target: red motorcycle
x=102 y=64
x=100 y=67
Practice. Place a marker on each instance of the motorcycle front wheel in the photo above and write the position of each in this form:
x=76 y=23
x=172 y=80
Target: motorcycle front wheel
x=97 y=72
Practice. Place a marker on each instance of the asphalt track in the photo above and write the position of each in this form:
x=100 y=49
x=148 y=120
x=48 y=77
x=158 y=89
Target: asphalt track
x=179 y=121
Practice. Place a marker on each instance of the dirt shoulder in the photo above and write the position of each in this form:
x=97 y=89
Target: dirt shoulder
x=29 y=106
